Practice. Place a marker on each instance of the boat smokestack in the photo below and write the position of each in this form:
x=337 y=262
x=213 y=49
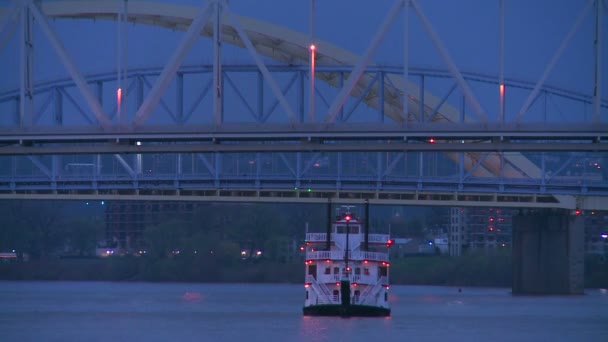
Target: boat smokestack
x=345 y=293
x=329 y=222
x=366 y=241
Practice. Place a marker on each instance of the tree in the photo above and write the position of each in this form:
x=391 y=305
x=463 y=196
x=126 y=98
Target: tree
x=82 y=235
x=165 y=237
x=40 y=227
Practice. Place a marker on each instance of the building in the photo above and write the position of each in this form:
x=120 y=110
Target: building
x=596 y=232
x=479 y=229
x=126 y=220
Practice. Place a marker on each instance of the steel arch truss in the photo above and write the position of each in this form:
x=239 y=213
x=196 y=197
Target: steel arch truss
x=384 y=129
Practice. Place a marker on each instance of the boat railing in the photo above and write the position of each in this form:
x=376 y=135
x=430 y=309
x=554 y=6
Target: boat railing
x=322 y=237
x=352 y=255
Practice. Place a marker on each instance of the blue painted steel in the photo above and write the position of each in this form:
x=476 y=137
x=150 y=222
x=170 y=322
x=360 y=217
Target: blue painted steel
x=395 y=171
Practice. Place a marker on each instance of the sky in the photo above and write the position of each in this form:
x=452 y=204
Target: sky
x=468 y=28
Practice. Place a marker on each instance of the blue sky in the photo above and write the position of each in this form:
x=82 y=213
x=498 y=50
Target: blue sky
x=469 y=29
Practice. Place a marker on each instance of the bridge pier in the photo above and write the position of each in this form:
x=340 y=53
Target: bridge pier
x=548 y=252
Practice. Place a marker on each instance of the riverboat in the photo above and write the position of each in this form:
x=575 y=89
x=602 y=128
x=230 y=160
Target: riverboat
x=347 y=268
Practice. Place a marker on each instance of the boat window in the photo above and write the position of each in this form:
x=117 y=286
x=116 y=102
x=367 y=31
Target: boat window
x=385 y=296
x=336 y=270
x=354 y=230
x=341 y=229
x=357 y=271
x=382 y=271
x=366 y=271
x=327 y=270
x=306 y=294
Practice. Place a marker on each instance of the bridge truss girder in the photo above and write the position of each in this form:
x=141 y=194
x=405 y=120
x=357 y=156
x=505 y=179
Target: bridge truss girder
x=378 y=89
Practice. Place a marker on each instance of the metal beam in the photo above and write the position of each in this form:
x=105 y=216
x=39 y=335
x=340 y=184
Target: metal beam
x=410 y=198
x=302 y=147
x=234 y=20
x=501 y=61
x=406 y=56
x=217 y=64
x=168 y=73
x=36 y=161
x=464 y=86
x=553 y=62
x=81 y=83
x=8 y=23
x=361 y=65
x=597 y=89
x=125 y=165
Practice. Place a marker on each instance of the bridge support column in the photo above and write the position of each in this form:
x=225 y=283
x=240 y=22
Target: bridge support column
x=548 y=253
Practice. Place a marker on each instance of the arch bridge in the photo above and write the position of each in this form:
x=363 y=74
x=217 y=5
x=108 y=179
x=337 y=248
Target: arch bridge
x=253 y=132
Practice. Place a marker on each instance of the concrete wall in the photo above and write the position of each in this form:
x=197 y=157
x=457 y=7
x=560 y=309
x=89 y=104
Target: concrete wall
x=548 y=252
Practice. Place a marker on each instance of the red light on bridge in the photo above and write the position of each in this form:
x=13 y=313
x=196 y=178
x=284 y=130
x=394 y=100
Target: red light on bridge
x=118 y=95
x=432 y=140
x=312 y=47
x=577 y=212
x=502 y=89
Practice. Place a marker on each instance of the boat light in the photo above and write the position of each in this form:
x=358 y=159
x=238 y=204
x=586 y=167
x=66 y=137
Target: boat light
x=327 y=260
x=337 y=283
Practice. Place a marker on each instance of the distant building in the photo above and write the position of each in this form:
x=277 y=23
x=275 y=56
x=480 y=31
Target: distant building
x=126 y=221
x=489 y=229
x=596 y=232
x=479 y=229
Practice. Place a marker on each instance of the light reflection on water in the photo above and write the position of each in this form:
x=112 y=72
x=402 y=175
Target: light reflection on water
x=97 y=311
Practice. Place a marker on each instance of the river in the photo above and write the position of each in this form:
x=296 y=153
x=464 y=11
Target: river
x=104 y=311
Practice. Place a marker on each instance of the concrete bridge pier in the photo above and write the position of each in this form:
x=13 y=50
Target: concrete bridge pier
x=548 y=252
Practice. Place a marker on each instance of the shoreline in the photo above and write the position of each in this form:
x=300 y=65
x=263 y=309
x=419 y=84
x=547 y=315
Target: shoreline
x=473 y=271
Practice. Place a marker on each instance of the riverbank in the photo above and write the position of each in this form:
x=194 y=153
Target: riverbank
x=494 y=271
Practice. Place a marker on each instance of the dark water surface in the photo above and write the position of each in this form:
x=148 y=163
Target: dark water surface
x=98 y=311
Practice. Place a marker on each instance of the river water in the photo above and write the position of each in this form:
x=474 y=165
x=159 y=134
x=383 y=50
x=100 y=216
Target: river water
x=100 y=311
